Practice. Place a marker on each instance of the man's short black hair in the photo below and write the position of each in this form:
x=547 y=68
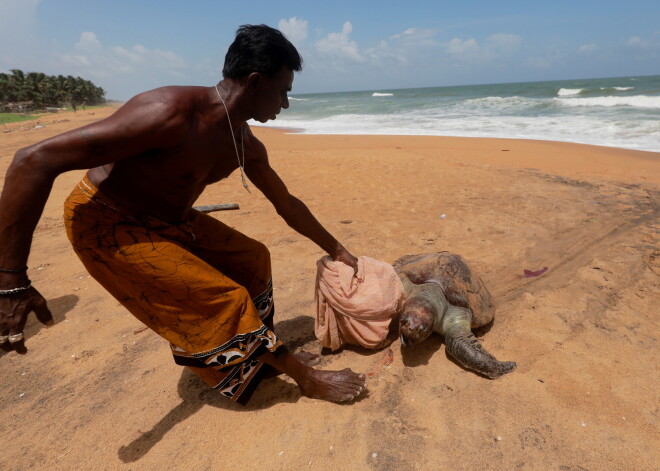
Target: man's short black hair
x=260 y=49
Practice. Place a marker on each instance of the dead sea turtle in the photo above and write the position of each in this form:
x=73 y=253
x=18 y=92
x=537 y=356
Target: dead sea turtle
x=444 y=295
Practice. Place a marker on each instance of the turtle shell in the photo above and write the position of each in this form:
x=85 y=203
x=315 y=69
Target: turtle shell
x=460 y=284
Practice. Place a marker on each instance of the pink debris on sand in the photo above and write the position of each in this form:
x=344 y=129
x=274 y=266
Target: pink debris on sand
x=532 y=274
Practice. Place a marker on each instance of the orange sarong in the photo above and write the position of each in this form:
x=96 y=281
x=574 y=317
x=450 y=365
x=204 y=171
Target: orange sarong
x=203 y=286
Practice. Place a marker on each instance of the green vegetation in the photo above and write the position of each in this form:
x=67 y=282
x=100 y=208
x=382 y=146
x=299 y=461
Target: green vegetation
x=93 y=107
x=6 y=118
x=21 y=92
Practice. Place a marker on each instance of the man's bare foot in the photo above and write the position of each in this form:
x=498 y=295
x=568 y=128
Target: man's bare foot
x=335 y=386
x=307 y=358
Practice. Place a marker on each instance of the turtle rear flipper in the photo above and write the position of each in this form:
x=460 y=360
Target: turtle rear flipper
x=466 y=349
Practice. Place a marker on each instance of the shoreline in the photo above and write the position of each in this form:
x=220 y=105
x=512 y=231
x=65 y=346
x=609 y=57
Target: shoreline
x=302 y=132
x=47 y=118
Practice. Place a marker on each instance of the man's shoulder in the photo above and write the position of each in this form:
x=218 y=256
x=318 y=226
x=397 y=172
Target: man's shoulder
x=255 y=149
x=171 y=103
x=172 y=95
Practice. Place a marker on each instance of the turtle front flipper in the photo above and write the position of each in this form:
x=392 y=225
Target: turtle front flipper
x=466 y=349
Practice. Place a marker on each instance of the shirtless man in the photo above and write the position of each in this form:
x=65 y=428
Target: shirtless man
x=200 y=284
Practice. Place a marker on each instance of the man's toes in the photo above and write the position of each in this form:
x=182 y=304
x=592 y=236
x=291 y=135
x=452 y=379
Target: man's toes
x=349 y=374
x=347 y=398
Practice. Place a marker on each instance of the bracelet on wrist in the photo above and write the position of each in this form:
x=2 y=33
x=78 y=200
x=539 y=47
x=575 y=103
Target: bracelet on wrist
x=20 y=289
x=13 y=270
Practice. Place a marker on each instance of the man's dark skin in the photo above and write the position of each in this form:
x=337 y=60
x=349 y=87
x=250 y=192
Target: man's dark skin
x=156 y=155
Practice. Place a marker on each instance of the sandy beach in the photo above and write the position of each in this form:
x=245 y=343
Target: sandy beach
x=97 y=391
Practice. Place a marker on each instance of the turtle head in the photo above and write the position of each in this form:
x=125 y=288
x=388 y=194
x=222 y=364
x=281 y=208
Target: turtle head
x=416 y=321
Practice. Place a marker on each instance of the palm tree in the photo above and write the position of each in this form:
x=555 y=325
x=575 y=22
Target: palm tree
x=48 y=90
x=17 y=85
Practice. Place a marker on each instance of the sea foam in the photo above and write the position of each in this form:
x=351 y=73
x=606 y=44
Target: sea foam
x=569 y=91
x=637 y=101
x=576 y=128
x=382 y=94
x=620 y=89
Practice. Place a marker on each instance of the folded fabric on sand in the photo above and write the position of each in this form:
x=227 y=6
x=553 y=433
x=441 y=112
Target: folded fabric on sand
x=355 y=309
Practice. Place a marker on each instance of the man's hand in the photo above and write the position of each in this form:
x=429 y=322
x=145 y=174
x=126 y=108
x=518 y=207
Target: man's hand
x=14 y=310
x=346 y=257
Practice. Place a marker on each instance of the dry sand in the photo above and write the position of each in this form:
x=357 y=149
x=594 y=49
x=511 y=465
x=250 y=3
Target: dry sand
x=98 y=392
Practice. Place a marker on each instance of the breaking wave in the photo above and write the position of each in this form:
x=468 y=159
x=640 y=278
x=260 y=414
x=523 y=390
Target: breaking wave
x=569 y=91
x=619 y=89
x=636 y=101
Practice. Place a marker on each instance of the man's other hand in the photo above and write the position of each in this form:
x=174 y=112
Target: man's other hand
x=14 y=310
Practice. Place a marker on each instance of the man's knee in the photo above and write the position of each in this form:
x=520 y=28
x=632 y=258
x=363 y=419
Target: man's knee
x=261 y=253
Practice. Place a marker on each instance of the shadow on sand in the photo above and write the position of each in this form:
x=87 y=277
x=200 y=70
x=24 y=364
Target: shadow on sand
x=196 y=394
x=420 y=354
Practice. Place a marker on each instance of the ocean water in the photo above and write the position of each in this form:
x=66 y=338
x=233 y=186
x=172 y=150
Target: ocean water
x=617 y=112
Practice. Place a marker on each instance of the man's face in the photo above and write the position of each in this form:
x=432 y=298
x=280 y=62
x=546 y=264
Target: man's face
x=273 y=95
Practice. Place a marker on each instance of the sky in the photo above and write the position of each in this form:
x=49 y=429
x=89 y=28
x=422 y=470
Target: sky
x=129 y=46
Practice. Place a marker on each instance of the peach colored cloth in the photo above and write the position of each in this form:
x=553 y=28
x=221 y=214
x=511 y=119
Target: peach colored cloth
x=355 y=310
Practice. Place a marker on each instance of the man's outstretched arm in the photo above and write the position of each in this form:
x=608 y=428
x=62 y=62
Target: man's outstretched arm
x=296 y=213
